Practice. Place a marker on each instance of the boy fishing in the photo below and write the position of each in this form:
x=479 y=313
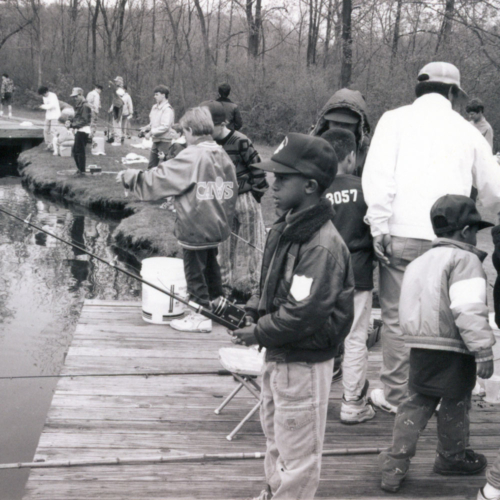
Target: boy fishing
x=202 y=180
x=303 y=313
x=444 y=319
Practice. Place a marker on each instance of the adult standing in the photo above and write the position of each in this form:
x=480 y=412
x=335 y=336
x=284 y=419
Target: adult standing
x=475 y=110
x=81 y=123
x=233 y=115
x=116 y=109
x=347 y=109
x=94 y=101
x=419 y=153
x=6 y=91
x=127 y=113
x=52 y=114
x=159 y=129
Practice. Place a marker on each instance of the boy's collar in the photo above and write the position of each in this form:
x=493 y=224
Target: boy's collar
x=441 y=242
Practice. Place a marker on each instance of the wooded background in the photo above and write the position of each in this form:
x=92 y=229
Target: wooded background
x=283 y=58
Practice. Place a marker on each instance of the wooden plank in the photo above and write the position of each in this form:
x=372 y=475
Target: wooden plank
x=102 y=417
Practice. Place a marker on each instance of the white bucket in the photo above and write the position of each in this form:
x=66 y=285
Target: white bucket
x=167 y=273
x=98 y=146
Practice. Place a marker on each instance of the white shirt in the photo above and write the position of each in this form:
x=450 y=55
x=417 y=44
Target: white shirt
x=419 y=153
x=94 y=100
x=51 y=106
x=128 y=107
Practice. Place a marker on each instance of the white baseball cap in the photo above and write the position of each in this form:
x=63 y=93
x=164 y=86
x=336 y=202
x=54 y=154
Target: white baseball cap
x=442 y=72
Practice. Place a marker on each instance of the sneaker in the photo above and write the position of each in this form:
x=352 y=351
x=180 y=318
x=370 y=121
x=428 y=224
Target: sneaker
x=482 y=496
x=264 y=495
x=392 y=482
x=192 y=323
x=377 y=399
x=1 y=113
x=10 y=115
x=473 y=463
x=356 y=411
x=116 y=144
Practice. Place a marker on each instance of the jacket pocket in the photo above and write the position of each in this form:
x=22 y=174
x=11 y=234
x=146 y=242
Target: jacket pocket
x=295 y=432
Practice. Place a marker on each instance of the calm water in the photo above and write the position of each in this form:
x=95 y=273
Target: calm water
x=43 y=284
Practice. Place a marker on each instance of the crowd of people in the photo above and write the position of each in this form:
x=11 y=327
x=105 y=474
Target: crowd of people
x=345 y=201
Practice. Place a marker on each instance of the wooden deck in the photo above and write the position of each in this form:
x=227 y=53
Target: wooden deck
x=13 y=134
x=124 y=416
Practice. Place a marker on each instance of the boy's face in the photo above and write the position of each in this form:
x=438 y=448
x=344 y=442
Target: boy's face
x=289 y=191
x=218 y=131
x=475 y=116
x=159 y=97
x=188 y=134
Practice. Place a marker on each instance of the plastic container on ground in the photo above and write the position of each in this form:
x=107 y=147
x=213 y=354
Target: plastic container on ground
x=98 y=143
x=167 y=273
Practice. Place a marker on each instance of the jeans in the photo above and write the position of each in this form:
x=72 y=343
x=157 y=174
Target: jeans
x=157 y=147
x=248 y=223
x=81 y=139
x=202 y=275
x=93 y=123
x=395 y=355
x=293 y=417
x=355 y=351
x=412 y=417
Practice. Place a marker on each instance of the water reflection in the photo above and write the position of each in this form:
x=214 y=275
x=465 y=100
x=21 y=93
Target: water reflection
x=43 y=283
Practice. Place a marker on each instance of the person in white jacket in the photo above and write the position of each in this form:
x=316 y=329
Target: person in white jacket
x=418 y=153
x=52 y=114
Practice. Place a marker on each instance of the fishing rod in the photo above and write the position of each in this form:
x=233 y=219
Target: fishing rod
x=224 y=312
x=160 y=459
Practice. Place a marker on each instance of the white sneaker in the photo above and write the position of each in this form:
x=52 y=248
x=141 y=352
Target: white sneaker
x=377 y=398
x=481 y=494
x=116 y=144
x=10 y=115
x=1 y=113
x=192 y=323
x=358 y=410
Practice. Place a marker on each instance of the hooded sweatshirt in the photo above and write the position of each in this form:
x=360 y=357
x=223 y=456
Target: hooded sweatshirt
x=354 y=101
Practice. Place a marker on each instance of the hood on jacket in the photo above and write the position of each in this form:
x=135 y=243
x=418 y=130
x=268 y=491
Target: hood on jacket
x=345 y=99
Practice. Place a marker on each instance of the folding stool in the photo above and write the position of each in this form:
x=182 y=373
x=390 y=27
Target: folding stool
x=245 y=365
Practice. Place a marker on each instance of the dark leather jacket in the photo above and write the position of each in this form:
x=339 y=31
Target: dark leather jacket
x=82 y=114
x=305 y=308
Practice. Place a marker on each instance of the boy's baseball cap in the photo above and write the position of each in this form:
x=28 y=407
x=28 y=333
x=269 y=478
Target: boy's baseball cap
x=118 y=80
x=342 y=116
x=441 y=72
x=453 y=212
x=307 y=155
x=216 y=110
x=76 y=91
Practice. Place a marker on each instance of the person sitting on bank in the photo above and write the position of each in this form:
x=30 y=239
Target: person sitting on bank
x=304 y=312
x=159 y=129
x=233 y=115
x=202 y=180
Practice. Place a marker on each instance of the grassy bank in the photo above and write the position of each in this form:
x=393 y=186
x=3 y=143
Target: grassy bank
x=145 y=229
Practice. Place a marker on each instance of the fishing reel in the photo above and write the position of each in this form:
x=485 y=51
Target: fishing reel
x=229 y=314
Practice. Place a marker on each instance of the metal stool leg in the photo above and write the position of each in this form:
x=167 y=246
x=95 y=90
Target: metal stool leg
x=231 y=396
x=244 y=421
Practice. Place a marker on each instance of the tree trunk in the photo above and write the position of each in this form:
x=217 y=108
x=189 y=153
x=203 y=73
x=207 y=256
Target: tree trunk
x=445 y=31
x=229 y=32
x=346 y=68
x=395 y=38
x=95 y=17
x=254 y=22
x=206 y=42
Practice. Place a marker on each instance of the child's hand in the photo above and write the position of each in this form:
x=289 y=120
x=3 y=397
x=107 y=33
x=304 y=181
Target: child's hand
x=119 y=177
x=67 y=124
x=485 y=369
x=161 y=156
x=244 y=336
